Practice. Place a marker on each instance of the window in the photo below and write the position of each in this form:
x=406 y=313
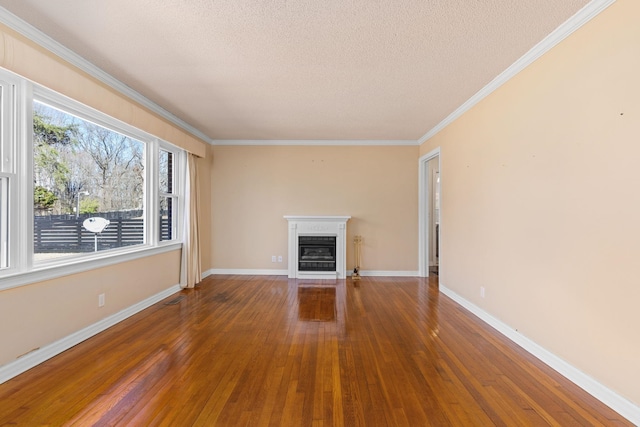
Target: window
x=7 y=169
x=84 y=171
x=167 y=195
x=65 y=168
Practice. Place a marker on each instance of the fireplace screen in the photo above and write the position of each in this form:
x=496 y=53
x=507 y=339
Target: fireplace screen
x=317 y=253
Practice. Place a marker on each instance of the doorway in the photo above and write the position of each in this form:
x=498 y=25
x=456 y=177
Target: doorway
x=429 y=226
x=434 y=216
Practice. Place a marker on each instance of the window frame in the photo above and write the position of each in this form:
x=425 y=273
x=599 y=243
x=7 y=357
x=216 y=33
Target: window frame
x=17 y=131
x=177 y=190
x=11 y=88
x=5 y=179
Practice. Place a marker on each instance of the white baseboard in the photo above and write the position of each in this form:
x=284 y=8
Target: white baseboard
x=255 y=272
x=245 y=272
x=624 y=407
x=36 y=357
x=388 y=273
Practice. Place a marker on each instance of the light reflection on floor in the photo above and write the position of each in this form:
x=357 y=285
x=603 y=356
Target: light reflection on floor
x=317 y=303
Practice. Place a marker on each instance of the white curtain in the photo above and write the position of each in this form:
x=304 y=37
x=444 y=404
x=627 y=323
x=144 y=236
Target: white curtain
x=191 y=272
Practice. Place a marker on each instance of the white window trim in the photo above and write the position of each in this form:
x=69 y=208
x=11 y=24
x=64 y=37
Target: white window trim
x=79 y=264
x=7 y=168
x=179 y=182
x=68 y=105
x=18 y=119
x=14 y=91
x=5 y=187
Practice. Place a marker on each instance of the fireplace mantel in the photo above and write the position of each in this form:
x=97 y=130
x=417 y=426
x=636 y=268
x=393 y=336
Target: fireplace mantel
x=318 y=226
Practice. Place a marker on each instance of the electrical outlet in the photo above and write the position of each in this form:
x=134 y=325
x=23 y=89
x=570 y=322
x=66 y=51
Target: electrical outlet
x=101 y=300
x=273 y=258
x=279 y=258
x=482 y=291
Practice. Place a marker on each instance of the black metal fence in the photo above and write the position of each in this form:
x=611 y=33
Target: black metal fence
x=65 y=233
x=136 y=213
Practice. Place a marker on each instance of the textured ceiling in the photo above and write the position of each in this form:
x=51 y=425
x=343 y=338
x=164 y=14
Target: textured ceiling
x=301 y=69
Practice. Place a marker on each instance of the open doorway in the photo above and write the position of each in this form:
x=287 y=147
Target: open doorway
x=434 y=216
x=429 y=215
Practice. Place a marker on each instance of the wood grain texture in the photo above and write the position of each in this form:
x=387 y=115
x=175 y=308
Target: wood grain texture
x=272 y=351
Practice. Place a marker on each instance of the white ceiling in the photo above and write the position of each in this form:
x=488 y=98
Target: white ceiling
x=301 y=69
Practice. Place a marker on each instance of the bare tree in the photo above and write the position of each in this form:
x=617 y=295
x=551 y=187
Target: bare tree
x=72 y=155
x=118 y=162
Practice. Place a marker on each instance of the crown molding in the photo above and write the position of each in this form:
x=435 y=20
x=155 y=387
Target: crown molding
x=40 y=38
x=584 y=15
x=317 y=142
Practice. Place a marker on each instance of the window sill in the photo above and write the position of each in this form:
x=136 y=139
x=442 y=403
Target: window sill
x=43 y=271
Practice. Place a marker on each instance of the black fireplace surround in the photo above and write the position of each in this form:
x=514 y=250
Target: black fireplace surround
x=316 y=253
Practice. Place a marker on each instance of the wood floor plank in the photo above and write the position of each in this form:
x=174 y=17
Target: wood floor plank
x=270 y=351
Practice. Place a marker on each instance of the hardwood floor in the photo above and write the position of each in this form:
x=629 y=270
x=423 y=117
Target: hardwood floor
x=268 y=351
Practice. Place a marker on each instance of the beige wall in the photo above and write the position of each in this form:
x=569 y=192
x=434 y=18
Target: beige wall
x=254 y=187
x=33 y=316
x=540 y=200
x=540 y=206
x=204 y=166
x=27 y=59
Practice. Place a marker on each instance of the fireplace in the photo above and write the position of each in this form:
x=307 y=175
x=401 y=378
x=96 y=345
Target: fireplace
x=316 y=253
x=317 y=247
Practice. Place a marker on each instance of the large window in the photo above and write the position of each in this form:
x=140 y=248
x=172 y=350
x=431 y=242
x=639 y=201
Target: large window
x=83 y=171
x=77 y=185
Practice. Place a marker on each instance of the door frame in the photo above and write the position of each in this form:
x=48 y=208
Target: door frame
x=424 y=209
